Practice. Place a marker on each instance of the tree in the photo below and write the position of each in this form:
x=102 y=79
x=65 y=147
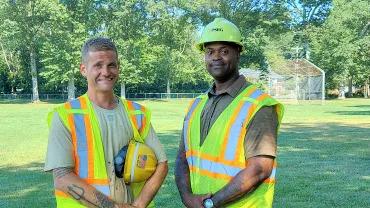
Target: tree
x=338 y=46
x=61 y=52
x=31 y=19
x=305 y=14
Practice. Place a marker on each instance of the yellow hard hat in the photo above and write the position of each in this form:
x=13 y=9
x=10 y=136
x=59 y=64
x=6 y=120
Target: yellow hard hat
x=220 y=29
x=140 y=163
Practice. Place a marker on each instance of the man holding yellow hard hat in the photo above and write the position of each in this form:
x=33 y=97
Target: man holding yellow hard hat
x=102 y=149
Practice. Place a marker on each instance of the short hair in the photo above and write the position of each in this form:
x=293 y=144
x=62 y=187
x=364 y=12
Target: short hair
x=97 y=44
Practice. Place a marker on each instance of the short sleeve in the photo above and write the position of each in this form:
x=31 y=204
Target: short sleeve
x=59 y=151
x=153 y=142
x=261 y=135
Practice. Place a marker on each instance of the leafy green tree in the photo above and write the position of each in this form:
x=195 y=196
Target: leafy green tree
x=61 y=52
x=338 y=45
x=31 y=19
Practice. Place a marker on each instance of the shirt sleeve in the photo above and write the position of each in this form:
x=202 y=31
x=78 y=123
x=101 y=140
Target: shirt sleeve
x=153 y=142
x=60 y=147
x=261 y=135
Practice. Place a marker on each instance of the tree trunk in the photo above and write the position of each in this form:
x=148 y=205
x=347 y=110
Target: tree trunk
x=350 y=84
x=35 y=90
x=366 y=89
x=71 y=88
x=168 y=89
x=342 y=94
x=123 y=90
x=5 y=58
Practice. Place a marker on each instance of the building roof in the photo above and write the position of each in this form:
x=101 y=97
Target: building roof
x=300 y=67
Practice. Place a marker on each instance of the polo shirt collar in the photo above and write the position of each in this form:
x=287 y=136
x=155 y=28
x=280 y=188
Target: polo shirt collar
x=233 y=90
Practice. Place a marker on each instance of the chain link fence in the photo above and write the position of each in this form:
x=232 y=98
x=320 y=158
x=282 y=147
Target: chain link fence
x=46 y=97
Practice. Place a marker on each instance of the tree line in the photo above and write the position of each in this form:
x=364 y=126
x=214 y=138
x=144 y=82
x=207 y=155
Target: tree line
x=40 y=40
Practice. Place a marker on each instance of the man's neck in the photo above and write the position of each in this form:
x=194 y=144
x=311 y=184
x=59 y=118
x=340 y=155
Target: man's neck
x=221 y=86
x=106 y=100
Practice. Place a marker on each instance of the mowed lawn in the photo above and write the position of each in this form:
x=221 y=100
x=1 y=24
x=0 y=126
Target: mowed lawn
x=323 y=153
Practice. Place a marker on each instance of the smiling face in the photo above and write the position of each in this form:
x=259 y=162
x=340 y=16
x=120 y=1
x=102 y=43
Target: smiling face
x=101 y=70
x=222 y=60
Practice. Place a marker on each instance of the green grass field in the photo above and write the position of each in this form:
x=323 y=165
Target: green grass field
x=323 y=153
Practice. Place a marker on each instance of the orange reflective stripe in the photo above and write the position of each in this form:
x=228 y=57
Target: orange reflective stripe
x=131 y=107
x=93 y=181
x=74 y=137
x=246 y=121
x=210 y=174
x=242 y=133
x=189 y=106
x=205 y=156
x=61 y=194
x=89 y=138
x=191 y=121
x=231 y=121
x=270 y=181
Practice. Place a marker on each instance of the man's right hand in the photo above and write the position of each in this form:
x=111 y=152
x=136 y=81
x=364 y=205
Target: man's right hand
x=195 y=200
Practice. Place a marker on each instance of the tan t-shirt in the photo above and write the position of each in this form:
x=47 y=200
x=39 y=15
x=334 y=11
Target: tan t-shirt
x=116 y=131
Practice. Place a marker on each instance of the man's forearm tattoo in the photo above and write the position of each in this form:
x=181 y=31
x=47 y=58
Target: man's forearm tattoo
x=76 y=192
x=61 y=172
x=103 y=200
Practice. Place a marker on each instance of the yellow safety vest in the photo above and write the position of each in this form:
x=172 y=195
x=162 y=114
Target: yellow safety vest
x=221 y=156
x=79 y=117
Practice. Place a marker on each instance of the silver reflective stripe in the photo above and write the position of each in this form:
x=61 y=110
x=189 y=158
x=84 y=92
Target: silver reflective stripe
x=103 y=188
x=134 y=162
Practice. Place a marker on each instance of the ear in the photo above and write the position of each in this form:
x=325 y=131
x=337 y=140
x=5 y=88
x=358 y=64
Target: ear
x=83 y=69
x=238 y=55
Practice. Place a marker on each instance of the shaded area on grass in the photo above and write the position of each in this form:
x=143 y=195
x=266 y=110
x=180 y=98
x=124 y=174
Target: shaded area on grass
x=352 y=113
x=360 y=106
x=27 y=101
x=15 y=101
x=26 y=186
x=321 y=163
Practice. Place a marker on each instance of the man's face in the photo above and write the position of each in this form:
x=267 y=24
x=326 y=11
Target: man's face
x=221 y=60
x=101 y=70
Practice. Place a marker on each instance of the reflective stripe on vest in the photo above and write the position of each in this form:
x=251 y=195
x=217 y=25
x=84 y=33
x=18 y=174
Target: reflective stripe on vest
x=138 y=116
x=232 y=141
x=189 y=117
x=215 y=164
x=83 y=143
x=136 y=113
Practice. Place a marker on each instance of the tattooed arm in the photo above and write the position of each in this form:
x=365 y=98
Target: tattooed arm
x=68 y=182
x=258 y=169
x=182 y=178
x=151 y=186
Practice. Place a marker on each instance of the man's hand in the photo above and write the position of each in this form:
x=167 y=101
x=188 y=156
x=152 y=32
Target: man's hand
x=151 y=186
x=195 y=200
x=124 y=206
